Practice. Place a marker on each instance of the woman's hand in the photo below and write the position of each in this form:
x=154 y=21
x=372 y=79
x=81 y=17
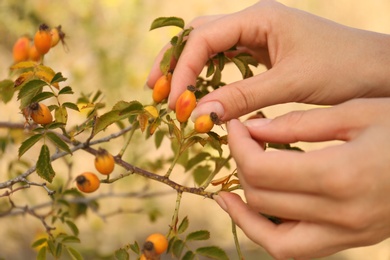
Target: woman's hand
x=310 y=60
x=331 y=199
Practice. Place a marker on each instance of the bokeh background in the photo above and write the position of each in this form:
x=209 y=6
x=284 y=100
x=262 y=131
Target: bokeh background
x=110 y=48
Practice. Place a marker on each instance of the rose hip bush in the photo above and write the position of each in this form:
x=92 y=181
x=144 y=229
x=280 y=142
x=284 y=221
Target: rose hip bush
x=46 y=104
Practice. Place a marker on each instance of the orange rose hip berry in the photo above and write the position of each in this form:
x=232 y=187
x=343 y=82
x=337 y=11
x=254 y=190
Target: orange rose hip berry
x=162 y=88
x=185 y=104
x=87 y=182
x=42 y=39
x=104 y=162
x=204 y=123
x=39 y=113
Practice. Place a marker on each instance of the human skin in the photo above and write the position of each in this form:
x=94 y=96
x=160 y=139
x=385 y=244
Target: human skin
x=310 y=60
x=331 y=199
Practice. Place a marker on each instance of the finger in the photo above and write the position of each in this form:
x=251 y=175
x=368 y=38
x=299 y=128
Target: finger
x=245 y=96
x=288 y=171
x=155 y=71
x=207 y=40
x=315 y=125
x=244 y=216
x=291 y=239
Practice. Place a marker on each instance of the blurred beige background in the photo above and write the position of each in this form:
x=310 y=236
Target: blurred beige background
x=111 y=49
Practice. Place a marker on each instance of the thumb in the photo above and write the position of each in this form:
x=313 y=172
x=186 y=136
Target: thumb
x=245 y=96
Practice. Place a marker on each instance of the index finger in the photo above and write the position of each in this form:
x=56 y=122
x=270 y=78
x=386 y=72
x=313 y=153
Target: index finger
x=203 y=42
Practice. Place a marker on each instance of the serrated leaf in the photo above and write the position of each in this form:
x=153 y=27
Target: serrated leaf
x=41 y=254
x=23 y=65
x=103 y=121
x=39 y=242
x=44 y=168
x=135 y=247
x=212 y=252
x=183 y=225
x=42 y=96
x=29 y=90
x=133 y=107
x=6 y=90
x=167 y=21
x=65 y=90
x=243 y=67
x=210 y=69
x=58 y=78
x=177 y=247
x=71 y=239
x=198 y=235
x=74 y=253
x=247 y=59
x=165 y=63
x=61 y=115
x=201 y=173
x=122 y=254
x=72 y=106
x=158 y=138
x=216 y=79
x=58 y=252
x=73 y=227
x=189 y=255
x=191 y=141
x=58 y=142
x=200 y=157
x=31 y=87
x=28 y=143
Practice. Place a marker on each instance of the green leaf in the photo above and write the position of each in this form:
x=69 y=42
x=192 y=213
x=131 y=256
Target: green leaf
x=39 y=242
x=28 y=143
x=178 y=247
x=188 y=256
x=122 y=254
x=167 y=21
x=183 y=225
x=72 y=106
x=65 y=90
x=42 y=96
x=57 y=78
x=58 y=252
x=58 y=142
x=29 y=91
x=201 y=173
x=135 y=248
x=6 y=90
x=210 y=68
x=120 y=111
x=212 y=252
x=133 y=107
x=31 y=87
x=74 y=253
x=71 y=239
x=158 y=138
x=200 y=157
x=198 y=235
x=241 y=66
x=44 y=168
x=73 y=227
x=165 y=63
x=247 y=59
x=42 y=254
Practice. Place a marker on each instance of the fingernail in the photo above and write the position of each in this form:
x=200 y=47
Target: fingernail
x=220 y=202
x=207 y=108
x=258 y=122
